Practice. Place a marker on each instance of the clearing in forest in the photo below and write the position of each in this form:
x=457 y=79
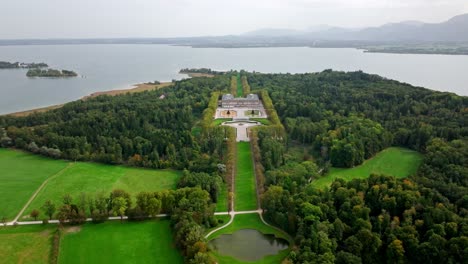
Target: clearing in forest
x=398 y=162
x=115 y=242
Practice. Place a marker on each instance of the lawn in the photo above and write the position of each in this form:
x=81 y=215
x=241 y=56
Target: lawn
x=115 y=242
x=222 y=204
x=91 y=178
x=21 y=174
x=219 y=121
x=240 y=89
x=245 y=194
x=26 y=244
x=263 y=121
x=398 y=162
x=251 y=221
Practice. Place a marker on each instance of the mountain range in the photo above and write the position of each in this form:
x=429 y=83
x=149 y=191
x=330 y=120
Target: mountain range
x=452 y=30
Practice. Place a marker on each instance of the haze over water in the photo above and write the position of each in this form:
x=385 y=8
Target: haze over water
x=107 y=67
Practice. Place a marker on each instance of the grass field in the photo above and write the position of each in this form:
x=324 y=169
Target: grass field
x=92 y=178
x=115 y=242
x=21 y=174
x=26 y=244
x=245 y=194
x=240 y=89
x=398 y=162
x=251 y=221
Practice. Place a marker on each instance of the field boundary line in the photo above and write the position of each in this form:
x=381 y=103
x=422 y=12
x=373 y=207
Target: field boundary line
x=39 y=190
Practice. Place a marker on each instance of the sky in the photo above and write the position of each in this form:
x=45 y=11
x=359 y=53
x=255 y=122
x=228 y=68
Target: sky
x=21 y=19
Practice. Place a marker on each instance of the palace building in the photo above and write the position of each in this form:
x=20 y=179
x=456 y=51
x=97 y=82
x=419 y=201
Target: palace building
x=250 y=101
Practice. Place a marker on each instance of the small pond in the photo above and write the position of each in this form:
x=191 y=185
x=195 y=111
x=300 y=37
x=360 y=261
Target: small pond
x=248 y=245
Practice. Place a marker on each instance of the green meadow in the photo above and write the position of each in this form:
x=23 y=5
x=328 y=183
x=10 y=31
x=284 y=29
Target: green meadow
x=26 y=244
x=398 y=162
x=21 y=174
x=91 y=178
x=115 y=242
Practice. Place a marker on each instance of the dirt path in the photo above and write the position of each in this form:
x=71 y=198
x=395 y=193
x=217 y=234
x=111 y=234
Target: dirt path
x=37 y=192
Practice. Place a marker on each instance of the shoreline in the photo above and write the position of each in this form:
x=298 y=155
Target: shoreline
x=141 y=87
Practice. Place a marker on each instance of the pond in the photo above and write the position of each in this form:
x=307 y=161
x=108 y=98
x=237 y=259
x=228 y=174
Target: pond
x=248 y=245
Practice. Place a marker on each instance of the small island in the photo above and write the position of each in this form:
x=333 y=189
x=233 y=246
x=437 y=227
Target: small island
x=21 y=65
x=50 y=73
x=200 y=72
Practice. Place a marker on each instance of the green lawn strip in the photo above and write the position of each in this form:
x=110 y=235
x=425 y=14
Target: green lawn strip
x=219 y=121
x=116 y=242
x=263 y=121
x=222 y=204
x=245 y=192
x=251 y=221
x=21 y=174
x=91 y=178
x=26 y=244
x=240 y=89
x=398 y=162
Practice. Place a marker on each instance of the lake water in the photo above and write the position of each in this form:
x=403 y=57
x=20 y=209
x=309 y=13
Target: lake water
x=248 y=245
x=107 y=67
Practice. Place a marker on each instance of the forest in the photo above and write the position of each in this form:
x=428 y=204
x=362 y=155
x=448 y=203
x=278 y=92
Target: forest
x=318 y=121
x=135 y=129
x=341 y=119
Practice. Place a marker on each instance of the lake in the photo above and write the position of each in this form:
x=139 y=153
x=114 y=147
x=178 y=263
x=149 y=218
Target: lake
x=248 y=245
x=107 y=67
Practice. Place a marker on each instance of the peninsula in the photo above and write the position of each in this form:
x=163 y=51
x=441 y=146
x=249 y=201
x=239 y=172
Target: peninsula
x=21 y=65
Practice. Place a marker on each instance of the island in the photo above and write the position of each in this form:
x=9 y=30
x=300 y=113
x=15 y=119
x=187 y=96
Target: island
x=201 y=72
x=21 y=65
x=50 y=73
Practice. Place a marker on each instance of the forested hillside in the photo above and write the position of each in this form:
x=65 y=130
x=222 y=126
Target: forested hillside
x=341 y=119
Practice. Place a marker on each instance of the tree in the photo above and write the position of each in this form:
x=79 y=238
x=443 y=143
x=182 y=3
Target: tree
x=35 y=214
x=154 y=206
x=396 y=252
x=6 y=141
x=49 y=208
x=119 y=206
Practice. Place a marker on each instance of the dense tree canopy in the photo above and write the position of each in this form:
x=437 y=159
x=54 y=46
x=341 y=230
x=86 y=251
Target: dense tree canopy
x=348 y=117
x=140 y=129
x=345 y=118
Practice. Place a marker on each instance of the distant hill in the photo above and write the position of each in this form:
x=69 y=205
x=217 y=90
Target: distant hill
x=453 y=30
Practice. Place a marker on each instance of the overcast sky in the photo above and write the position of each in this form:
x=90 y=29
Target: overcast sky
x=170 y=18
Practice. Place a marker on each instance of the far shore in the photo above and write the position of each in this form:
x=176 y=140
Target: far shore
x=134 y=89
